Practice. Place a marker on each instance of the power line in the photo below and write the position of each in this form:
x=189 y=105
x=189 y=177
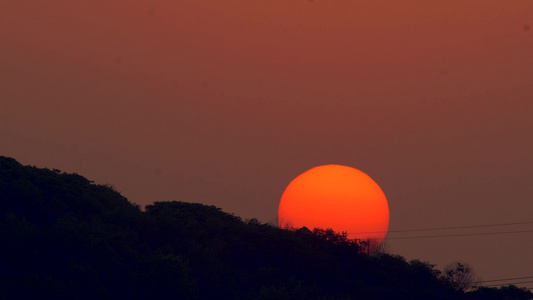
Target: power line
x=456 y=235
x=503 y=279
x=504 y=283
x=447 y=228
x=463 y=227
x=509 y=283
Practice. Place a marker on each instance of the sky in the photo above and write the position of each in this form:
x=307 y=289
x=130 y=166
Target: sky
x=225 y=102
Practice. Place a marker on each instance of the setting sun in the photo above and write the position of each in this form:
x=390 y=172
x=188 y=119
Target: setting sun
x=337 y=197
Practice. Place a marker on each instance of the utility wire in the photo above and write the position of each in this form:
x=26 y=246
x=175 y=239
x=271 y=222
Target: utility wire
x=503 y=279
x=447 y=228
x=510 y=283
x=455 y=235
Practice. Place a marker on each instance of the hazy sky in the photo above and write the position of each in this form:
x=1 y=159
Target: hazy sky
x=224 y=102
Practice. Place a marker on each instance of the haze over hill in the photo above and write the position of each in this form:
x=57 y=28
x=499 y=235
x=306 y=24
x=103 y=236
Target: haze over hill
x=224 y=102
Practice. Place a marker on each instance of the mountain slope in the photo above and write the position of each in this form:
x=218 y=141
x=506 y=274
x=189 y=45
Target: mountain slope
x=66 y=237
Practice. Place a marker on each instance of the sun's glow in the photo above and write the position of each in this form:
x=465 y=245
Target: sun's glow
x=337 y=197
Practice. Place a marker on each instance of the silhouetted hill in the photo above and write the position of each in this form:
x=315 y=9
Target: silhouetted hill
x=66 y=237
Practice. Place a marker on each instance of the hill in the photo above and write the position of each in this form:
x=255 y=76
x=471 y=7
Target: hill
x=65 y=237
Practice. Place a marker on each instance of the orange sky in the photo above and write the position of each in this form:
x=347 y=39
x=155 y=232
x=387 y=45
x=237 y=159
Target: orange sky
x=225 y=102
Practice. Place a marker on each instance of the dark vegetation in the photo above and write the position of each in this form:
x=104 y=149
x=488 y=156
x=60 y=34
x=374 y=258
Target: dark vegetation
x=65 y=237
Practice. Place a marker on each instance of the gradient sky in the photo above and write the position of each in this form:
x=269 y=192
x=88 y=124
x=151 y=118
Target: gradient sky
x=225 y=102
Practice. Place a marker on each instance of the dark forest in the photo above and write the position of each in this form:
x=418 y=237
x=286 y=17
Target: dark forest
x=65 y=237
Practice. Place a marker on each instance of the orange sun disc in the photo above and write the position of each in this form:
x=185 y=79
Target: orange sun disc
x=337 y=197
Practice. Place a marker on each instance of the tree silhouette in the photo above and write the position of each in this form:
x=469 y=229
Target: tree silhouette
x=460 y=276
x=67 y=238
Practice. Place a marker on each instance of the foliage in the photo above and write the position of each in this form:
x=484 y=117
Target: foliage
x=66 y=237
x=459 y=276
x=510 y=292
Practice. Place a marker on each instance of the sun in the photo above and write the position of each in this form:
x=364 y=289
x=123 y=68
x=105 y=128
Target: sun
x=337 y=197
